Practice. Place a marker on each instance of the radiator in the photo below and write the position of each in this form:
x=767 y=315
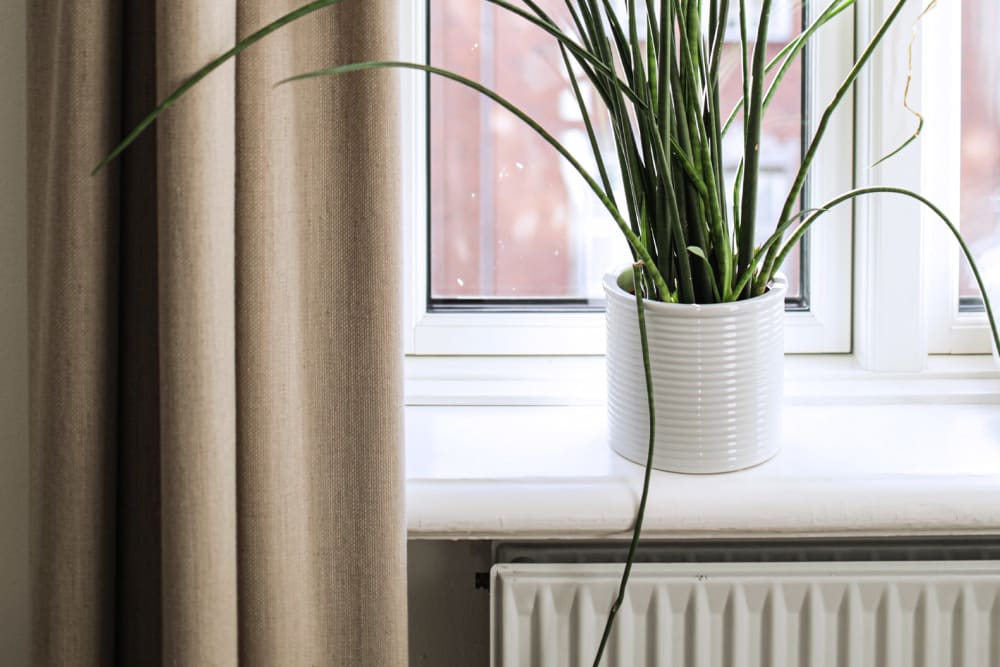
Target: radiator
x=805 y=614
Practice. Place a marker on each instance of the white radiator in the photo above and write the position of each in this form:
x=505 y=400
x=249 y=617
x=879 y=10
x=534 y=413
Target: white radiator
x=846 y=614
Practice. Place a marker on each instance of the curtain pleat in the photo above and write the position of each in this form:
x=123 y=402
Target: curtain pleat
x=195 y=223
x=216 y=395
x=322 y=268
x=138 y=636
x=273 y=356
x=73 y=98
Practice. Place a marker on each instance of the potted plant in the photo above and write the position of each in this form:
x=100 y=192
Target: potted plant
x=695 y=342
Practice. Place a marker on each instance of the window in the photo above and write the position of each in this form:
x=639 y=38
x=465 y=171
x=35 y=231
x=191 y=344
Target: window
x=859 y=269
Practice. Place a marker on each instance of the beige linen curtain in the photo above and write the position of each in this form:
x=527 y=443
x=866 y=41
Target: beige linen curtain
x=215 y=360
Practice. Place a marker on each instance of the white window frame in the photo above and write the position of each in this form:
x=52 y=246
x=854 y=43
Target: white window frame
x=949 y=330
x=906 y=262
x=825 y=327
x=890 y=332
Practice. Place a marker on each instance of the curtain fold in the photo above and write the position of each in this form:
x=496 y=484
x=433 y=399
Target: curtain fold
x=216 y=394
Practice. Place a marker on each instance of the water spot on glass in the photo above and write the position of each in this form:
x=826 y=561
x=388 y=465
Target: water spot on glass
x=472 y=194
x=461 y=283
x=502 y=175
x=556 y=253
x=519 y=165
x=475 y=46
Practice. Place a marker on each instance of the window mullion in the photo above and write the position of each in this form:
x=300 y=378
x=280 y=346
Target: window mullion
x=942 y=174
x=890 y=330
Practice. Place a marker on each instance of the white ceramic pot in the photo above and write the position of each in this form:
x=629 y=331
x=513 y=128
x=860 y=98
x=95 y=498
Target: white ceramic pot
x=717 y=380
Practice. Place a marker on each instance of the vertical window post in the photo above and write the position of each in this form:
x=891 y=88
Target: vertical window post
x=890 y=331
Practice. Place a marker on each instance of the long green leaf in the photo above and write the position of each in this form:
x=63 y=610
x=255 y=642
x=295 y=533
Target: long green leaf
x=751 y=146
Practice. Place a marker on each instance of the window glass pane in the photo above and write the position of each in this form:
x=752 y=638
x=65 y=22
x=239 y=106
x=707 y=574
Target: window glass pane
x=502 y=201
x=980 y=198
x=509 y=218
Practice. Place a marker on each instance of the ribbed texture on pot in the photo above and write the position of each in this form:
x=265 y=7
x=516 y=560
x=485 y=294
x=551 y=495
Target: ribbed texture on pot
x=717 y=380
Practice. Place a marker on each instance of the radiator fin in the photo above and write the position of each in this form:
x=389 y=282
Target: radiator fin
x=886 y=614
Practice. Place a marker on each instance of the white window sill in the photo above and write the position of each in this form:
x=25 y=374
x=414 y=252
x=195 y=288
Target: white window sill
x=863 y=455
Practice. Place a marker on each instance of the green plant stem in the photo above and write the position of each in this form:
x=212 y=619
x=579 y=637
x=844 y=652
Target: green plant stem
x=690 y=205
x=687 y=288
x=751 y=146
x=744 y=60
x=664 y=49
x=641 y=513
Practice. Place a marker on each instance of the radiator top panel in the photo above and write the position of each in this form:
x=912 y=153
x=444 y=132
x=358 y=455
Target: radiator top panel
x=765 y=614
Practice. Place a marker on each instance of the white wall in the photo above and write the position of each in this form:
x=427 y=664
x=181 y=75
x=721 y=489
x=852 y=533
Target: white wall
x=13 y=341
